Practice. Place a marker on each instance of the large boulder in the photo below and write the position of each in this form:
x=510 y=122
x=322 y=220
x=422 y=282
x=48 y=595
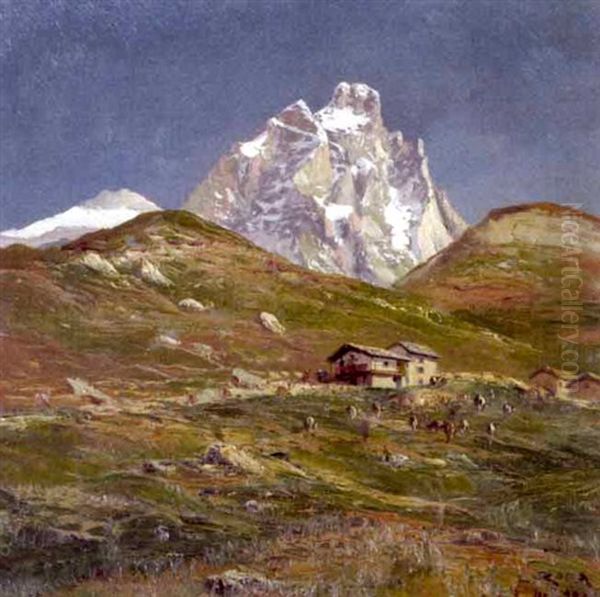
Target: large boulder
x=190 y=304
x=98 y=264
x=151 y=274
x=167 y=341
x=271 y=323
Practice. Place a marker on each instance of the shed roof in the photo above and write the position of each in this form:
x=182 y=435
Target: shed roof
x=372 y=351
x=587 y=375
x=550 y=371
x=419 y=349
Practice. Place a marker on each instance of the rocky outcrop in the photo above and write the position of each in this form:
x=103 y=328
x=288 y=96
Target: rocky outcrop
x=333 y=190
x=271 y=323
x=151 y=274
x=99 y=264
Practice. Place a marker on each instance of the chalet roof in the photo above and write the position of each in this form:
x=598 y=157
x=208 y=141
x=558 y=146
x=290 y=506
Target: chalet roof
x=372 y=351
x=586 y=375
x=550 y=371
x=419 y=349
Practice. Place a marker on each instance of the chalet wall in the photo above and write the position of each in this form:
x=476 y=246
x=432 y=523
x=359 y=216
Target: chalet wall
x=420 y=371
x=587 y=389
x=383 y=381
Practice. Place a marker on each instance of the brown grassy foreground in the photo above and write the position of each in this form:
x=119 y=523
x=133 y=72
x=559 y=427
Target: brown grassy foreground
x=302 y=513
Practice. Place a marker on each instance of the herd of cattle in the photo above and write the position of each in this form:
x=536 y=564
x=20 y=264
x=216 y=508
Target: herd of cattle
x=450 y=426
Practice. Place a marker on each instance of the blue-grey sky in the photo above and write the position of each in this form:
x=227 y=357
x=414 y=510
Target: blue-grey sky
x=147 y=94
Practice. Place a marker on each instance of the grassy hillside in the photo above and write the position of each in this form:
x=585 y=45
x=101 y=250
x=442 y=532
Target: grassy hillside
x=511 y=274
x=113 y=494
x=316 y=512
x=60 y=317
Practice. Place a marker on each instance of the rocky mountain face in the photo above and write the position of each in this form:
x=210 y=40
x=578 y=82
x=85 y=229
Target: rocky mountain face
x=106 y=210
x=333 y=190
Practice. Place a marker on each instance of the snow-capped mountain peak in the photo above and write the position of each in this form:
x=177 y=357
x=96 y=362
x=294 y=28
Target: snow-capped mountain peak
x=351 y=108
x=333 y=190
x=106 y=210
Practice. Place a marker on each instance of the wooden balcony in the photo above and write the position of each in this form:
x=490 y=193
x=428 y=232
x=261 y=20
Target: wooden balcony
x=362 y=368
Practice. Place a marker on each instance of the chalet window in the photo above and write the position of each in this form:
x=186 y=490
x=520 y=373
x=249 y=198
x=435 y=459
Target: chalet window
x=420 y=370
x=385 y=363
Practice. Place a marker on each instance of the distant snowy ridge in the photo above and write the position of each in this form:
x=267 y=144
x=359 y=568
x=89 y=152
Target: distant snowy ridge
x=106 y=210
x=333 y=190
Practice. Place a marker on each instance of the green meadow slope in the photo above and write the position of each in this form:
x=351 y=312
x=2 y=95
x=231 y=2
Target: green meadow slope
x=106 y=307
x=116 y=495
x=518 y=272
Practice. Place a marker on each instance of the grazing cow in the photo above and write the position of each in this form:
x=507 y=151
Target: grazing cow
x=225 y=393
x=364 y=429
x=351 y=411
x=306 y=376
x=508 y=409
x=376 y=409
x=323 y=376
x=191 y=400
x=479 y=402
x=282 y=391
x=43 y=399
x=434 y=425
x=413 y=421
x=387 y=455
x=162 y=533
x=310 y=424
x=491 y=432
x=449 y=430
x=463 y=426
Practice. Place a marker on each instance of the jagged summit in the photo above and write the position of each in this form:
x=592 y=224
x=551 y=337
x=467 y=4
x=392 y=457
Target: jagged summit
x=333 y=190
x=352 y=106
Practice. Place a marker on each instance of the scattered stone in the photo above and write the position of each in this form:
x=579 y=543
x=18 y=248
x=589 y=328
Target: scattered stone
x=207 y=395
x=153 y=467
x=383 y=303
x=228 y=455
x=98 y=264
x=167 y=340
x=190 y=304
x=83 y=389
x=150 y=273
x=252 y=506
x=245 y=379
x=439 y=462
x=193 y=518
x=238 y=582
x=271 y=323
x=205 y=351
x=395 y=460
x=209 y=491
x=281 y=456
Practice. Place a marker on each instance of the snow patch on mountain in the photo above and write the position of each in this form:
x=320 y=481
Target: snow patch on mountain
x=107 y=210
x=341 y=119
